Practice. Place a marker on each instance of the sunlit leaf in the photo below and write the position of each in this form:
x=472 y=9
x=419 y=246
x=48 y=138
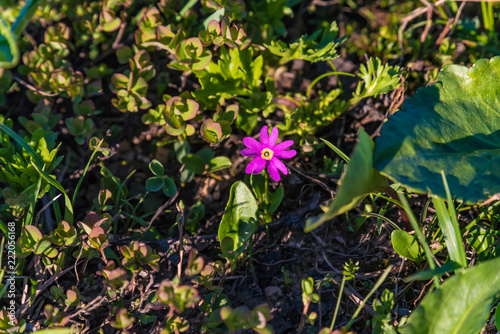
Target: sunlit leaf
x=462 y=305
x=451 y=126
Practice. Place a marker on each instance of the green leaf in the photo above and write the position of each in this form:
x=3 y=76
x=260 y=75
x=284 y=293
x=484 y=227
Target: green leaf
x=33 y=233
x=275 y=199
x=39 y=166
x=376 y=79
x=426 y=275
x=308 y=48
x=406 y=245
x=156 y=167
x=451 y=232
x=239 y=221
x=462 y=305
x=154 y=183
x=451 y=126
x=56 y=331
x=9 y=51
x=358 y=180
x=258 y=183
x=336 y=150
x=218 y=163
x=169 y=187
x=217 y=16
x=497 y=318
x=194 y=163
x=480 y=239
x=206 y=154
x=181 y=149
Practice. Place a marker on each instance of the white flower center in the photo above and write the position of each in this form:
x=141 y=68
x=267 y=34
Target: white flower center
x=267 y=154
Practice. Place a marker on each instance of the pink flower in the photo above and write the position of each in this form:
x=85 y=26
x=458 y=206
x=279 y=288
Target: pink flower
x=267 y=153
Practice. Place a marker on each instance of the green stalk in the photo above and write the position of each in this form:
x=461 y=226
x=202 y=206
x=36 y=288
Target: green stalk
x=420 y=236
x=31 y=209
x=372 y=291
x=267 y=216
x=488 y=19
x=315 y=81
x=85 y=172
x=341 y=291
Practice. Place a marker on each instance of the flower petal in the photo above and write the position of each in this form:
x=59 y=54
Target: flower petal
x=256 y=166
x=273 y=137
x=280 y=165
x=279 y=150
x=252 y=144
x=285 y=154
x=248 y=152
x=273 y=171
x=283 y=145
x=264 y=135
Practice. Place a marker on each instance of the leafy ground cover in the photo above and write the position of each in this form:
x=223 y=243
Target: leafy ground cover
x=222 y=166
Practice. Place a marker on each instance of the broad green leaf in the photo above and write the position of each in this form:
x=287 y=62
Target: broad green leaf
x=451 y=126
x=218 y=163
x=206 y=154
x=239 y=221
x=358 y=180
x=406 y=245
x=257 y=183
x=462 y=305
x=275 y=199
x=194 y=163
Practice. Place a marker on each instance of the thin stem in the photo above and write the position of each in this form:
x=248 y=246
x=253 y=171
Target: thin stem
x=341 y=291
x=266 y=190
x=267 y=218
x=420 y=236
x=372 y=291
x=315 y=81
x=96 y=149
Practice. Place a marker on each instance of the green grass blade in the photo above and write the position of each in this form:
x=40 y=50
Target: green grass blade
x=336 y=150
x=447 y=218
x=85 y=172
x=372 y=291
x=68 y=212
x=31 y=210
x=420 y=236
x=3 y=227
x=22 y=143
x=38 y=164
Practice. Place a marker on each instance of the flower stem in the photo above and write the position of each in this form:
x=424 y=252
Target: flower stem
x=266 y=190
x=267 y=215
